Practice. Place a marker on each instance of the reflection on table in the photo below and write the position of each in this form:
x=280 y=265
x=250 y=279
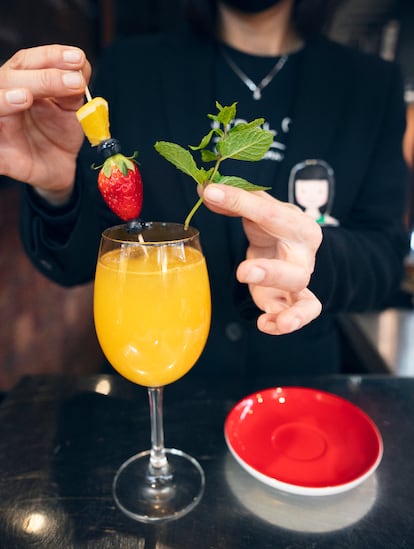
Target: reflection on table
x=62 y=439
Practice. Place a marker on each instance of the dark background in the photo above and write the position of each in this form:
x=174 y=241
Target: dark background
x=371 y=25
x=46 y=328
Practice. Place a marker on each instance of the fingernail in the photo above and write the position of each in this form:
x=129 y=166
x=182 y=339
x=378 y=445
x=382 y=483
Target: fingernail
x=73 y=80
x=214 y=195
x=296 y=322
x=16 y=97
x=255 y=275
x=72 y=56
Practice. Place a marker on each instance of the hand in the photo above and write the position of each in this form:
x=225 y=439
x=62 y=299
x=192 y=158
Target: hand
x=40 y=137
x=280 y=258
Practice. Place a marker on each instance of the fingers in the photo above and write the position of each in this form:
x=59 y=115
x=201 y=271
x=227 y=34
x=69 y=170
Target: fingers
x=43 y=57
x=280 y=290
x=14 y=100
x=280 y=257
x=276 y=218
x=46 y=71
x=45 y=82
x=273 y=273
x=289 y=318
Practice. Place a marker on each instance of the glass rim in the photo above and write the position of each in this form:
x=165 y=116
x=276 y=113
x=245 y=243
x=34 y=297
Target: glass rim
x=150 y=226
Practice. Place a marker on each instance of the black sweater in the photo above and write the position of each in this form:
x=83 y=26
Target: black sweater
x=348 y=110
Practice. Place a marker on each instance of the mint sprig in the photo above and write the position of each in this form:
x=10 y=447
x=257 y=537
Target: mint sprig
x=243 y=141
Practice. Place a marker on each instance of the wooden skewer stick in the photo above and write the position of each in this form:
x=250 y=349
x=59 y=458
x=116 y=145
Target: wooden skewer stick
x=141 y=240
x=89 y=98
x=88 y=94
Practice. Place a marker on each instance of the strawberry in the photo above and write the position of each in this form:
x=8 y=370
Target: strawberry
x=119 y=179
x=120 y=184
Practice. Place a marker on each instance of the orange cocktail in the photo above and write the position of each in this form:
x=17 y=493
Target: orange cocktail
x=152 y=311
x=152 y=316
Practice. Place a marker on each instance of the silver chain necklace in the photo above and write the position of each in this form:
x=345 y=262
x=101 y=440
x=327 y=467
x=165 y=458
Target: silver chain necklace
x=255 y=88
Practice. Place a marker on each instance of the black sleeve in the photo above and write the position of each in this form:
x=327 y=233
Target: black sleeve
x=360 y=264
x=62 y=242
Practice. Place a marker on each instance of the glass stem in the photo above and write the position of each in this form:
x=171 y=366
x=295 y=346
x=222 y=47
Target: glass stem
x=158 y=459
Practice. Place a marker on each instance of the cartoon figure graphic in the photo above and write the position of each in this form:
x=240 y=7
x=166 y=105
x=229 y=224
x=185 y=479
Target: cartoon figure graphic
x=311 y=186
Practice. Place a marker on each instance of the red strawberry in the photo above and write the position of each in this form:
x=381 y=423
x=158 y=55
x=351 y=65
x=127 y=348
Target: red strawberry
x=120 y=184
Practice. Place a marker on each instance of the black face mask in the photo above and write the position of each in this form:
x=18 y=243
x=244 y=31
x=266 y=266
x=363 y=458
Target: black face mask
x=251 y=6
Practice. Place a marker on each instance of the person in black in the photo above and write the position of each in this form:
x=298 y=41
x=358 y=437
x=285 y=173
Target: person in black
x=273 y=268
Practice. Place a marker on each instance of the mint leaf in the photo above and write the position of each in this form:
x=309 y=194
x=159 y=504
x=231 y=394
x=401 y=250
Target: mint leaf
x=226 y=114
x=208 y=156
x=242 y=125
x=205 y=141
x=206 y=175
x=250 y=143
x=180 y=157
x=246 y=141
x=239 y=182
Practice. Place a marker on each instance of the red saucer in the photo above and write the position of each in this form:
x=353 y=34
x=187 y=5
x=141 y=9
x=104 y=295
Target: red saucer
x=303 y=441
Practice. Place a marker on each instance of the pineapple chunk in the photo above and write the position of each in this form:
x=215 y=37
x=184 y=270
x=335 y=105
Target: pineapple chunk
x=94 y=119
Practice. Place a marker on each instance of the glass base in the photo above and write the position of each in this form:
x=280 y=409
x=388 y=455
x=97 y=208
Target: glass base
x=153 y=495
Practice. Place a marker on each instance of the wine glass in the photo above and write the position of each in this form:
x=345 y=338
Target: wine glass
x=152 y=314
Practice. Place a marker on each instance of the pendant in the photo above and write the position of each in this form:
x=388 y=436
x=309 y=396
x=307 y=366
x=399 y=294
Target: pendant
x=257 y=94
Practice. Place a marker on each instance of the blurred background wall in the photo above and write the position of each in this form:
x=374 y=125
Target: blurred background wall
x=48 y=329
x=45 y=328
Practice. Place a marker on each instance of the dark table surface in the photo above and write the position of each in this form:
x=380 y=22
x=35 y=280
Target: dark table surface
x=62 y=439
